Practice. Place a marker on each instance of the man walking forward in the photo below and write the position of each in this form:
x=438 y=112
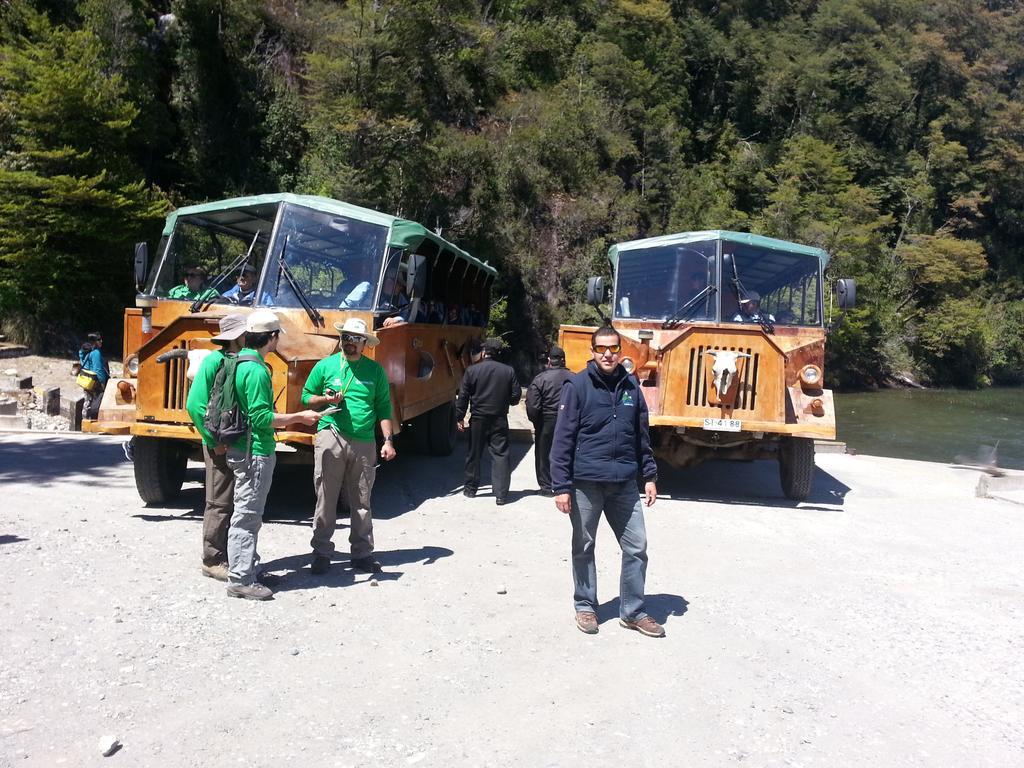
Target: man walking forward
x=601 y=443
x=488 y=389
x=355 y=391
x=542 y=399
x=251 y=457
x=220 y=480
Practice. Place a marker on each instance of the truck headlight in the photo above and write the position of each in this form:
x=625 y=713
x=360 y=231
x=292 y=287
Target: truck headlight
x=810 y=376
x=628 y=364
x=131 y=366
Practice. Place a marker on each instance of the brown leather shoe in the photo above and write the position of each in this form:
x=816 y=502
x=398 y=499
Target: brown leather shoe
x=218 y=571
x=587 y=622
x=254 y=591
x=645 y=626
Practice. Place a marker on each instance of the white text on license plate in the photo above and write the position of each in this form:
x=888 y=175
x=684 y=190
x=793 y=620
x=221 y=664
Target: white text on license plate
x=723 y=425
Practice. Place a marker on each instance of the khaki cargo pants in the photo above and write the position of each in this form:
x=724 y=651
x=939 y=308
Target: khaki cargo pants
x=343 y=465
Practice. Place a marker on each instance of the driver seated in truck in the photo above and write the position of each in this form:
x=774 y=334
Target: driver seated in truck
x=395 y=294
x=750 y=310
x=243 y=292
x=193 y=287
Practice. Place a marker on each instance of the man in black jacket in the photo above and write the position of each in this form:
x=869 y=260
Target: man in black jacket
x=542 y=399
x=601 y=443
x=488 y=389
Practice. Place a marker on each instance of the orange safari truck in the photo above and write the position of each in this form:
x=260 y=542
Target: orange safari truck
x=314 y=261
x=725 y=332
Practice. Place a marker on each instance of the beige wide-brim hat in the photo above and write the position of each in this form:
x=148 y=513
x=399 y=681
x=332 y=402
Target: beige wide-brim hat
x=263 y=321
x=357 y=326
x=231 y=327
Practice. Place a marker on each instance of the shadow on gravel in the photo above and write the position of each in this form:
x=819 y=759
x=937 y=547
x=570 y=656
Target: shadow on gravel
x=292 y=500
x=298 y=576
x=753 y=483
x=9 y=538
x=660 y=607
x=51 y=459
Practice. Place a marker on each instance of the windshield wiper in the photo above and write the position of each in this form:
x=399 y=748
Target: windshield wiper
x=683 y=313
x=215 y=285
x=307 y=305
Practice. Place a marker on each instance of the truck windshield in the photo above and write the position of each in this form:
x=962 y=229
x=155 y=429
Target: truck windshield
x=335 y=260
x=776 y=286
x=203 y=246
x=653 y=283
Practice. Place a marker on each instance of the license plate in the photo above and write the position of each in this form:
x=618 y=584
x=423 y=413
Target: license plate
x=723 y=425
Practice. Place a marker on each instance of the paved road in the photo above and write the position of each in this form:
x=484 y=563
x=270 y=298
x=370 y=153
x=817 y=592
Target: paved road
x=880 y=623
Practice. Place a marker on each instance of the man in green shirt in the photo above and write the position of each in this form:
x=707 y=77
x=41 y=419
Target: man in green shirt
x=220 y=481
x=251 y=457
x=193 y=287
x=355 y=393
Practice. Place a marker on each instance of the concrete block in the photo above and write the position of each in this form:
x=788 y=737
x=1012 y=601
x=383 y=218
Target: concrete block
x=13 y=422
x=13 y=383
x=8 y=406
x=51 y=401
x=71 y=409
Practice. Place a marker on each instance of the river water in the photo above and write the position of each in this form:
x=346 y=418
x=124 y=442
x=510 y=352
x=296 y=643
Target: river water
x=934 y=424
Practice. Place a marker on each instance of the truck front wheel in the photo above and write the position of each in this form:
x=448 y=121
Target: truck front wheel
x=442 y=429
x=159 y=468
x=796 y=467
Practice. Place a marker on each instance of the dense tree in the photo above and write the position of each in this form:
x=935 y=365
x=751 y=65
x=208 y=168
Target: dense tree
x=536 y=134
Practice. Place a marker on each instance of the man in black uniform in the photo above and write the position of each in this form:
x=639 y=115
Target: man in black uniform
x=489 y=388
x=542 y=409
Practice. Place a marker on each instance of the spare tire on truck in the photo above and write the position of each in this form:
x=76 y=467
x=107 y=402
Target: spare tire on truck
x=159 y=468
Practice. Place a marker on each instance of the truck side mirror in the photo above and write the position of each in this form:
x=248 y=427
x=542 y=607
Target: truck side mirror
x=595 y=291
x=846 y=293
x=141 y=264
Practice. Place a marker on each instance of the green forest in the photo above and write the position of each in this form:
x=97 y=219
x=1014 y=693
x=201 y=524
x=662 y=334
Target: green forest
x=536 y=133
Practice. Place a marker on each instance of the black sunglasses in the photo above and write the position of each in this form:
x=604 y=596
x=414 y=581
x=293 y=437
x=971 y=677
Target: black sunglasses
x=349 y=338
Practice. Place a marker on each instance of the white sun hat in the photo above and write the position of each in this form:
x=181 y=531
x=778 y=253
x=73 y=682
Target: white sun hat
x=357 y=326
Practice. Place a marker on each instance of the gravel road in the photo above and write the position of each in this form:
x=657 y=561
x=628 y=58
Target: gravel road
x=881 y=623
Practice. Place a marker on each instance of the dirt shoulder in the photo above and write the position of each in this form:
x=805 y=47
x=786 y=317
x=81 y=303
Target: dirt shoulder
x=47 y=371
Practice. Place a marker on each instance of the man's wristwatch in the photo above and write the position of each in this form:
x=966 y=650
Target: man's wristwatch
x=389 y=438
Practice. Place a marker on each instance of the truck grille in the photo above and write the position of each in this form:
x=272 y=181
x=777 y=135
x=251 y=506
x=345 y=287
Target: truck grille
x=175 y=385
x=698 y=378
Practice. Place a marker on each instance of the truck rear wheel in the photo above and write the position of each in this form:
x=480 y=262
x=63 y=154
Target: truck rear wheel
x=442 y=429
x=159 y=468
x=796 y=467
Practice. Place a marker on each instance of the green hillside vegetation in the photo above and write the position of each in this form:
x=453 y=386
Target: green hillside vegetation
x=535 y=133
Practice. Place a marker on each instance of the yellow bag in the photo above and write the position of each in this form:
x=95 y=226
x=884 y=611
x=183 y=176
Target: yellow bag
x=87 y=380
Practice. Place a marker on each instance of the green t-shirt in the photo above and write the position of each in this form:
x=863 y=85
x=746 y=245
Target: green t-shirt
x=367 y=396
x=182 y=292
x=256 y=398
x=199 y=393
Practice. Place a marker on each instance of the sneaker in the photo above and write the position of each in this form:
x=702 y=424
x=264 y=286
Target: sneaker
x=366 y=564
x=321 y=565
x=469 y=493
x=218 y=571
x=645 y=626
x=254 y=591
x=587 y=622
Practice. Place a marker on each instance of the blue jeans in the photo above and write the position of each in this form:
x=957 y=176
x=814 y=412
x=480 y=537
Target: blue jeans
x=620 y=503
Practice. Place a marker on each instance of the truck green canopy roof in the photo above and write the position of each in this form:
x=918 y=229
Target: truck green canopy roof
x=743 y=238
x=402 y=233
